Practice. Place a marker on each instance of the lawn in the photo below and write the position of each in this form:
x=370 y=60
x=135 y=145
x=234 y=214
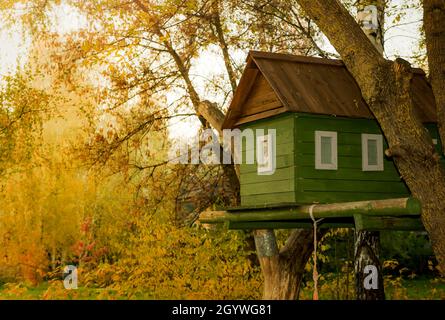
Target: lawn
x=396 y=289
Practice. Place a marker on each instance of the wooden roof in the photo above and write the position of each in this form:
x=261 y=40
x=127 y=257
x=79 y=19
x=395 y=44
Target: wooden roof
x=275 y=83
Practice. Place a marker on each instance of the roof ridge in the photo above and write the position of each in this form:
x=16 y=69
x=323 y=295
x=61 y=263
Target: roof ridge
x=307 y=59
x=296 y=58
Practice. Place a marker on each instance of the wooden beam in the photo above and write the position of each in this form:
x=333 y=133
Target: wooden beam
x=389 y=207
x=294 y=58
x=252 y=225
x=370 y=223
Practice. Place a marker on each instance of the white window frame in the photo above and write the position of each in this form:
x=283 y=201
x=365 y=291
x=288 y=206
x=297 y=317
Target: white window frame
x=365 y=165
x=334 y=157
x=266 y=166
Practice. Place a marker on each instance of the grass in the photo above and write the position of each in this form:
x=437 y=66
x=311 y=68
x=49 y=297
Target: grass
x=51 y=291
x=395 y=288
x=416 y=289
x=54 y=290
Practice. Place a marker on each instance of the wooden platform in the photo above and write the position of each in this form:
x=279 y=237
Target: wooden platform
x=373 y=215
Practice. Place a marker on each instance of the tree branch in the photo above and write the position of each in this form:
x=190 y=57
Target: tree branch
x=223 y=44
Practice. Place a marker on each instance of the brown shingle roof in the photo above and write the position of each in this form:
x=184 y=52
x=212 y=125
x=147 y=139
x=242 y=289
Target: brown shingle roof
x=314 y=85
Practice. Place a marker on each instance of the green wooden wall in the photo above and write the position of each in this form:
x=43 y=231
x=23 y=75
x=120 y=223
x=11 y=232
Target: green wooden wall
x=349 y=182
x=296 y=180
x=280 y=186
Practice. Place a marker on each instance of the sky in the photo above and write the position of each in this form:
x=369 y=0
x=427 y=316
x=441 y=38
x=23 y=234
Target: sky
x=400 y=41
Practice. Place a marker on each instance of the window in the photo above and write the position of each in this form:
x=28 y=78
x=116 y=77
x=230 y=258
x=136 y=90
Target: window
x=325 y=150
x=372 y=152
x=266 y=154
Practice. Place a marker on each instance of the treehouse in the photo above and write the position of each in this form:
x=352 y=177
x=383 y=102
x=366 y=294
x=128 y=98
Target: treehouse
x=320 y=145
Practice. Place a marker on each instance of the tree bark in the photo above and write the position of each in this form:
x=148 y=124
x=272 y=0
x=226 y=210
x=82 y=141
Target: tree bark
x=366 y=253
x=212 y=114
x=366 y=246
x=283 y=269
x=385 y=86
x=434 y=25
x=210 y=111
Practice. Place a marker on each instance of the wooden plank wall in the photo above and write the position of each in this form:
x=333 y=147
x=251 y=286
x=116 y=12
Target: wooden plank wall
x=296 y=180
x=349 y=182
x=261 y=102
x=279 y=187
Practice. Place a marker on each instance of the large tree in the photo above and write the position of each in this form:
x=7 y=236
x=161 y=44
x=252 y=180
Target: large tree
x=385 y=86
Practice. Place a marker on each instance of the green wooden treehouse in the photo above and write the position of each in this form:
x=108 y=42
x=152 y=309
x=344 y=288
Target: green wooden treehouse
x=324 y=148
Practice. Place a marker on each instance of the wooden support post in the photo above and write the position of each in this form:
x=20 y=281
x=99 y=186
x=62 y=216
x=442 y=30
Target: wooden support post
x=366 y=254
x=283 y=269
x=269 y=256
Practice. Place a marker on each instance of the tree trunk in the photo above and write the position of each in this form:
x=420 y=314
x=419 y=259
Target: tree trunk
x=434 y=25
x=366 y=246
x=385 y=86
x=366 y=253
x=283 y=269
x=213 y=115
x=374 y=33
